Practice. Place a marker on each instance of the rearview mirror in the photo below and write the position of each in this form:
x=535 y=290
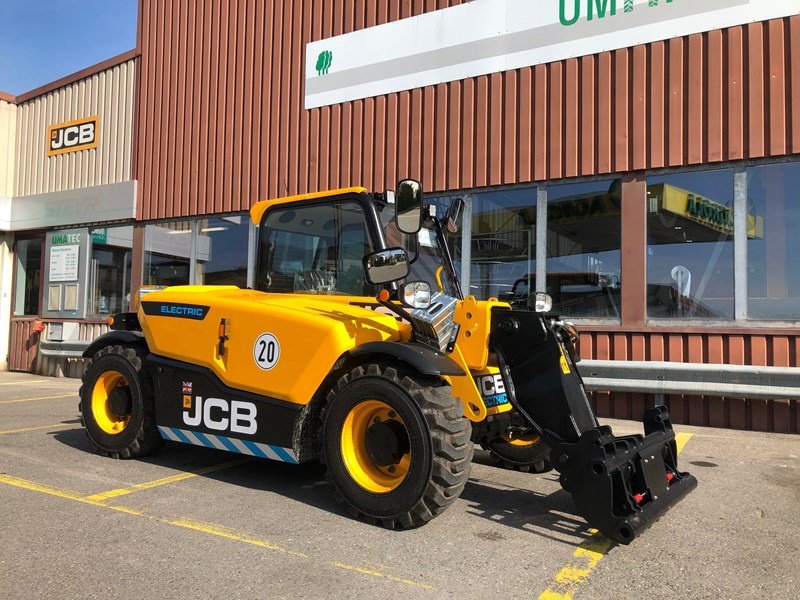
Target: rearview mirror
x=408 y=206
x=453 y=219
x=385 y=266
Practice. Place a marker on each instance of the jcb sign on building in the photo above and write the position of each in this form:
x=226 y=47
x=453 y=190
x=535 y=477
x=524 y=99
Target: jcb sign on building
x=72 y=136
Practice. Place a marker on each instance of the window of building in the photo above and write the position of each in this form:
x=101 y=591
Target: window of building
x=28 y=277
x=690 y=261
x=168 y=250
x=583 y=248
x=222 y=251
x=503 y=244
x=315 y=249
x=110 y=270
x=773 y=246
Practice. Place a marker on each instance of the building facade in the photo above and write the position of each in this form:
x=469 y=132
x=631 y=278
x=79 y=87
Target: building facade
x=638 y=160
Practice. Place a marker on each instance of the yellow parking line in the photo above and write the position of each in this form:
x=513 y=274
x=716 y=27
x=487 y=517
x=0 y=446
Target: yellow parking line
x=23 y=381
x=577 y=570
x=167 y=480
x=75 y=396
x=207 y=528
x=37 y=428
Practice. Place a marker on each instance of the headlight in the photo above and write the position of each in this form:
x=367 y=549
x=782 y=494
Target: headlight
x=416 y=294
x=544 y=303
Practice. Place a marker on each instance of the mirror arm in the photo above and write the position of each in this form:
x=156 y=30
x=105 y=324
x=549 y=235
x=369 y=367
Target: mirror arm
x=398 y=310
x=451 y=267
x=415 y=238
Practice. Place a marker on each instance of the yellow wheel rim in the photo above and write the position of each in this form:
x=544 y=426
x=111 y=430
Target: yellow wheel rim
x=521 y=440
x=105 y=418
x=370 y=476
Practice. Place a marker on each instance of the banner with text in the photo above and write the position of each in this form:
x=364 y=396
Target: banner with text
x=490 y=36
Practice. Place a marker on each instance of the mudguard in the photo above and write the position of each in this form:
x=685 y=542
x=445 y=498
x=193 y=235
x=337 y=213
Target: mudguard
x=424 y=359
x=112 y=338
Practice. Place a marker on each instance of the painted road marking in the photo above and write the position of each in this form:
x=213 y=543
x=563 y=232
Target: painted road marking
x=207 y=528
x=25 y=381
x=167 y=480
x=583 y=561
x=37 y=428
x=74 y=396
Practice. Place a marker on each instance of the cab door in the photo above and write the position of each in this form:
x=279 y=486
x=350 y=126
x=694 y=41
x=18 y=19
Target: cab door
x=26 y=304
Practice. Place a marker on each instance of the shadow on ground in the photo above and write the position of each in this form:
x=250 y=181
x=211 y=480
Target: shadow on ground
x=551 y=516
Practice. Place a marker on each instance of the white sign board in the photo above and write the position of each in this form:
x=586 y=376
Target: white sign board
x=491 y=36
x=64 y=263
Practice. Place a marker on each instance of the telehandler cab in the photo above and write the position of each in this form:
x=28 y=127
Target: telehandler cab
x=352 y=352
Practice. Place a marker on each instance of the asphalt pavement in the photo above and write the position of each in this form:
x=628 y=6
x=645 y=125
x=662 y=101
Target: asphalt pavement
x=195 y=522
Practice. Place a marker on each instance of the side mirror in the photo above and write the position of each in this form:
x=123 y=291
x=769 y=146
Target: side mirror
x=453 y=218
x=385 y=266
x=408 y=206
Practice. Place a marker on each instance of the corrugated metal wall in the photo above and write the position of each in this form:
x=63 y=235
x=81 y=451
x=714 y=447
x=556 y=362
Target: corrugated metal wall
x=222 y=122
x=109 y=94
x=765 y=348
x=8 y=132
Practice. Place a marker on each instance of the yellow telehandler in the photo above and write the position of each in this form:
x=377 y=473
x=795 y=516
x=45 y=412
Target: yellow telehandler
x=366 y=355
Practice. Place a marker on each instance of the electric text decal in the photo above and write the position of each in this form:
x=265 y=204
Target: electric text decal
x=72 y=136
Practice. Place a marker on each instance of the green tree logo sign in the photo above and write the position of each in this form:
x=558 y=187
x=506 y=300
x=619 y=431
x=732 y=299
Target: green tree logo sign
x=324 y=61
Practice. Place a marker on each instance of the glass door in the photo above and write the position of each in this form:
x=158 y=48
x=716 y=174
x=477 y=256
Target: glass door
x=26 y=307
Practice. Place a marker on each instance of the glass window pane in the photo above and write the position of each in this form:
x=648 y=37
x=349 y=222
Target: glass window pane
x=503 y=244
x=168 y=248
x=29 y=272
x=773 y=232
x=110 y=270
x=315 y=249
x=583 y=248
x=222 y=251
x=690 y=245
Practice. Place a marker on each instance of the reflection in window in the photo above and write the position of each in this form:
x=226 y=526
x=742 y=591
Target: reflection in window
x=168 y=248
x=28 y=277
x=316 y=249
x=503 y=245
x=583 y=248
x=222 y=251
x=773 y=232
x=690 y=245
x=110 y=270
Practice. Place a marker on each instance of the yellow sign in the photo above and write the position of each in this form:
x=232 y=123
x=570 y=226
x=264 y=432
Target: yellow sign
x=81 y=134
x=704 y=211
x=187 y=401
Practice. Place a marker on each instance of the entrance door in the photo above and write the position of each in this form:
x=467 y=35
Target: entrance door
x=26 y=307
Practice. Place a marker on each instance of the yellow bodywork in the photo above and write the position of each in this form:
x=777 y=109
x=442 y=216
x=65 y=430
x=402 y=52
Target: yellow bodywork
x=313 y=332
x=259 y=208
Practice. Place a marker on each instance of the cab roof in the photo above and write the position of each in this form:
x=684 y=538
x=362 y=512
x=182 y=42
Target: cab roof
x=259 y=208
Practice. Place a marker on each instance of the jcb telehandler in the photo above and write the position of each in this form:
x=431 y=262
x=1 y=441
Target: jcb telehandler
x=352 y=352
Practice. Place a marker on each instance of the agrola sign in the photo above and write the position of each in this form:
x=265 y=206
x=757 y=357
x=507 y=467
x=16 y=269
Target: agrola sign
x=81 y=134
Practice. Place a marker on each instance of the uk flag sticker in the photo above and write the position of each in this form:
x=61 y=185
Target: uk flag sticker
x=187 y=387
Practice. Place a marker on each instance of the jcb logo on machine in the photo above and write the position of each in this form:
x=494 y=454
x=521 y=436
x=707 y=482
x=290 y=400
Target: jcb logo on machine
x=218 y=414
x=493 y=389
x=72 y=136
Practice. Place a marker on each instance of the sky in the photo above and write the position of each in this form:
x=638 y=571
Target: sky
x=44 y=40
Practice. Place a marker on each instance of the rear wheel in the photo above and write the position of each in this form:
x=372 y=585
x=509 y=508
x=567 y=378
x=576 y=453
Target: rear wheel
x=527 y=453
x=398 y=450
x=117 y=404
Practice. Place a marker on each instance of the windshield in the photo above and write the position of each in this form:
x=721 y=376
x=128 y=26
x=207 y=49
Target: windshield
x=430 y=256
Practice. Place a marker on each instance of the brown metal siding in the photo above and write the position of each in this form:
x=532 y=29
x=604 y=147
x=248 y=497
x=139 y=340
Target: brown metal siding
x=222 y=125
x=776 y=348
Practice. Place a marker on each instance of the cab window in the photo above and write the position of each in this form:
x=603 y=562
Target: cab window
x=315 y=249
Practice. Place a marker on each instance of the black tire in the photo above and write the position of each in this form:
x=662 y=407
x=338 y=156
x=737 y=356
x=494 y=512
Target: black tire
x=533 y=458
x=439 y=445
x=140 y=435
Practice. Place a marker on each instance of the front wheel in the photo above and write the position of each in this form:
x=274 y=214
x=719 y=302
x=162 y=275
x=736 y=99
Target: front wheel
x=527 y=453
x=398 y=450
